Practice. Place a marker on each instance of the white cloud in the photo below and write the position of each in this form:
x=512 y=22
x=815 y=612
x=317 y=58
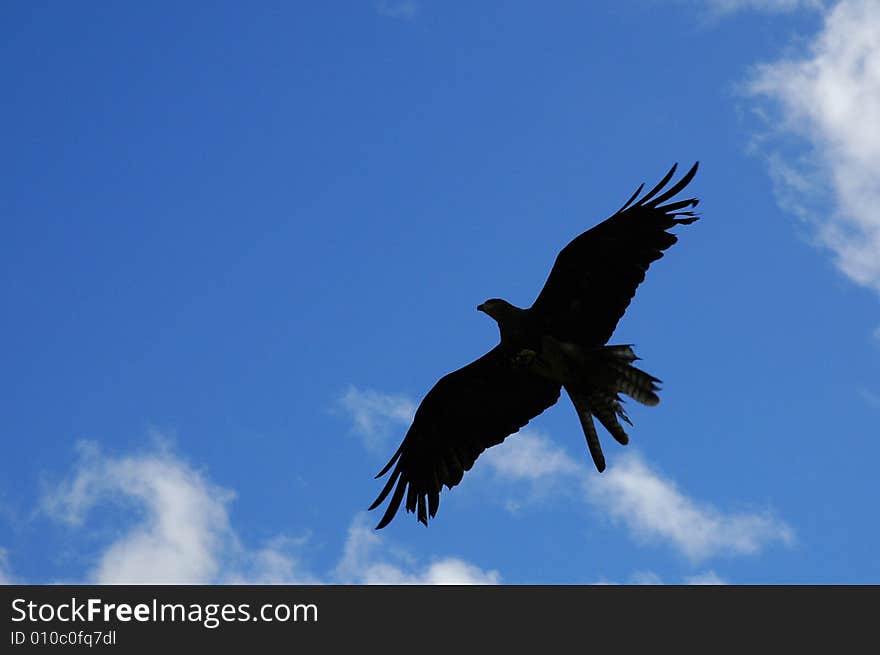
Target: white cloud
x=359 y=564
x=536 y=468
x=654 y=509
x=185 y=522
x=374 y=413
x=182 y=533
x=629 y=491
x=406 y=9
x=529 y=455
x=829 y=100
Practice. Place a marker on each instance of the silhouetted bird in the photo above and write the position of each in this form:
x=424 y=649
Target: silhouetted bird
x=556 y=343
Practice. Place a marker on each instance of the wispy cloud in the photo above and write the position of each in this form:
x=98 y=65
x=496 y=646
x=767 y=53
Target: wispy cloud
x=374 y=414
x=774 y=6
x=828 y=99
x=652 y=578
x=5 y=574
x=276 y=562
x=645 y=578
x=405 y=9
x=651 y=506
x=183 y=534
x=705 y=578
x=870 y=397
x=533 y=466
x=530 y=455
x=654 y=509
x=361 y=565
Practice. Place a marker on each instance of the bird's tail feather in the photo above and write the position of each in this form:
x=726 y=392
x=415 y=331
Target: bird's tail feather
x=611 y=374
x=628 y=379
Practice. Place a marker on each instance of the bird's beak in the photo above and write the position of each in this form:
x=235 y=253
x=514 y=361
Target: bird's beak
x=481 y=307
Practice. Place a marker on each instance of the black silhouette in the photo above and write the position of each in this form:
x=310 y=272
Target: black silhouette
x=557 y=343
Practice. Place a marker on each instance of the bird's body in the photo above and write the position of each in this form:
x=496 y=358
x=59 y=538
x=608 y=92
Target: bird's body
x=557 y=343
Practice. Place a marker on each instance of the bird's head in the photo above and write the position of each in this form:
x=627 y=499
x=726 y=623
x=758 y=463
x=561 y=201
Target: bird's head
x=497 y=308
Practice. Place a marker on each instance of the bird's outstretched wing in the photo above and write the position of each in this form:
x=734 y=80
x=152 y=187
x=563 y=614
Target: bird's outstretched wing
x=467 y=411
x=596 y=275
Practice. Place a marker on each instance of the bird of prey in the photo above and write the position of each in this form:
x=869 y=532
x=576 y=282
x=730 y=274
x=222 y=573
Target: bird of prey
x=557 y=343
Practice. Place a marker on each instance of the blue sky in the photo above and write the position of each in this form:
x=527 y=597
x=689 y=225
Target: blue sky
x=240 y=244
